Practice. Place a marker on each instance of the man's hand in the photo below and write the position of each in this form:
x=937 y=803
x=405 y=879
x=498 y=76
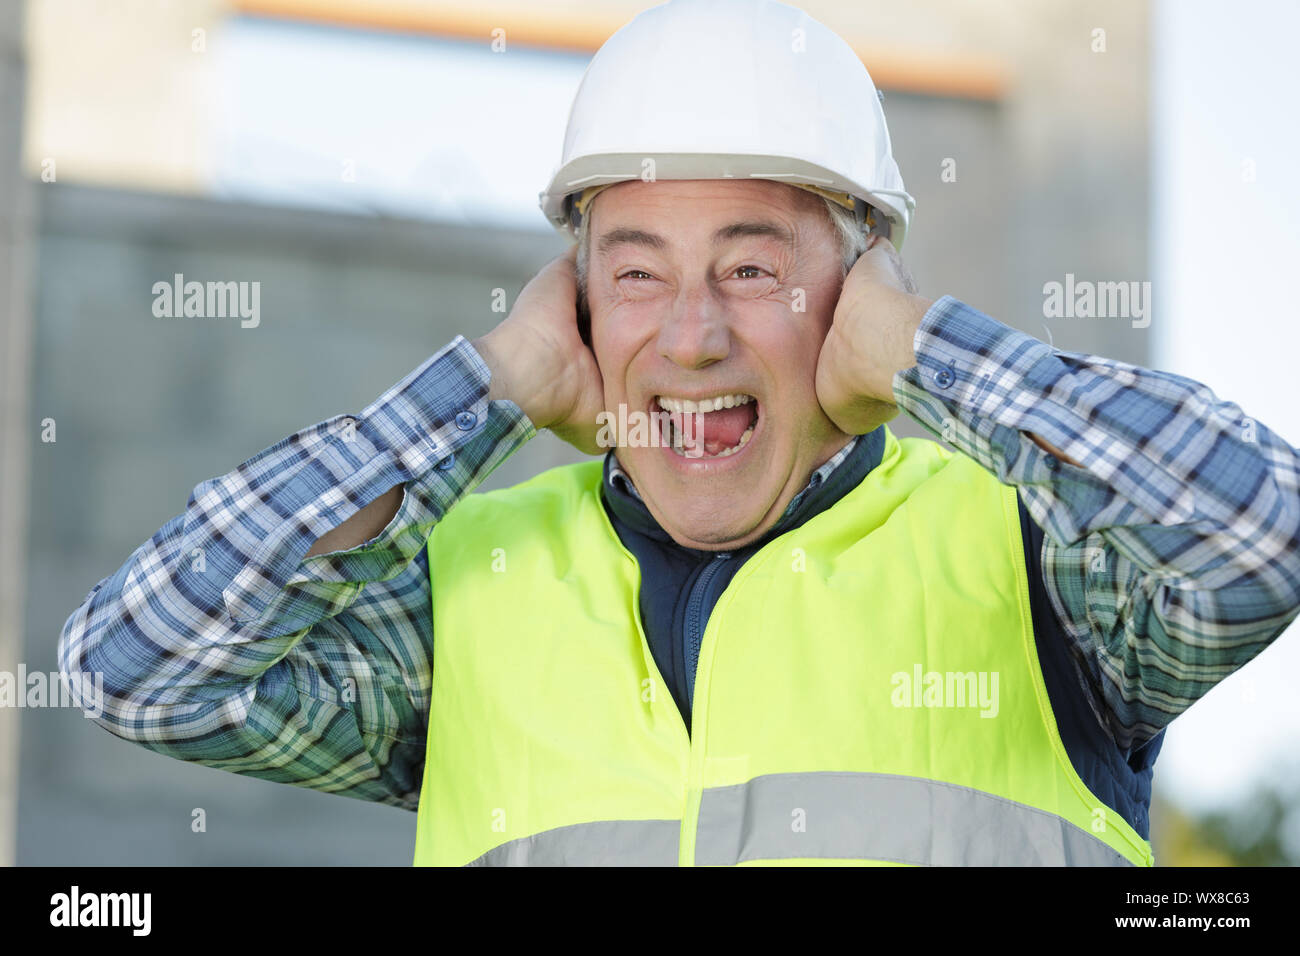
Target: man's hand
x=870 y=339
x=539 y=362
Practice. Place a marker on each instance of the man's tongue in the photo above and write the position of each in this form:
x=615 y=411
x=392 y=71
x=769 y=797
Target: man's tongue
x=716 y=431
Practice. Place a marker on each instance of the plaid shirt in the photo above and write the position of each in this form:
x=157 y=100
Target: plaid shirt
x=1171 y=558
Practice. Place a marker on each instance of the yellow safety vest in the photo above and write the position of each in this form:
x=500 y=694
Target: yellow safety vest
x=868 y=691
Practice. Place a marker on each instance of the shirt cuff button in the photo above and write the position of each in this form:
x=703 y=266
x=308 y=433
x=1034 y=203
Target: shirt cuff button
x=944 y=377
x=466 y=420
x=446 y=463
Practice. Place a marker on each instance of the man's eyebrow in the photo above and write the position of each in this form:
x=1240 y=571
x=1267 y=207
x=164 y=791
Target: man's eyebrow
x=739 y=229
x=636 y=237
x=736 y=230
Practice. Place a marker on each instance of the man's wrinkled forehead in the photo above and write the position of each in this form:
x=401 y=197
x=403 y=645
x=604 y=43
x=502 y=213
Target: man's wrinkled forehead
x=746 y=224
x=609 y=241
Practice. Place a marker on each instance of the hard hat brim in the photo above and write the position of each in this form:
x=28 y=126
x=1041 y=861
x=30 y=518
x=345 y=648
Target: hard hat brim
x=604 y=168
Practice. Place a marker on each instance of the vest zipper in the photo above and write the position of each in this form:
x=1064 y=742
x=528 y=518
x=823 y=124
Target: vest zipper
x=699 y=702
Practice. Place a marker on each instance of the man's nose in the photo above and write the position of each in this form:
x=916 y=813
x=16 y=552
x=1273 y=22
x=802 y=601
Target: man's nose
x=696 y=333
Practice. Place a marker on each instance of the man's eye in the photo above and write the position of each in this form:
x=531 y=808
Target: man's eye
x=635 y=274
x=753 y=272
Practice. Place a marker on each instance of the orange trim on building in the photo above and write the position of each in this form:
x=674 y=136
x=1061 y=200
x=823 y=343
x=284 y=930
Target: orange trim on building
x=952 y=75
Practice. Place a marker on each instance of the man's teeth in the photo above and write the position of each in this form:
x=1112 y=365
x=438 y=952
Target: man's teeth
x=714 y=404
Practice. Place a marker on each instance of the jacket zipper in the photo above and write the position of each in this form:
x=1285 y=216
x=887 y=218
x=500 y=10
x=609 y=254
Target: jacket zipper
x=696 y=621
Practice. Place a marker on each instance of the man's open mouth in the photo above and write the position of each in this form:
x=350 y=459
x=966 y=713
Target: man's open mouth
x=712 y=427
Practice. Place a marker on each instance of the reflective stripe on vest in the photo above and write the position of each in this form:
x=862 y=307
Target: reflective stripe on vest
x=604 y=843
x=868 y=690
x=840 y=816
x=884 y=817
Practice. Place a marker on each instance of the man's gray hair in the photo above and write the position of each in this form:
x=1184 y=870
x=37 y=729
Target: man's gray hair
x=853 y=240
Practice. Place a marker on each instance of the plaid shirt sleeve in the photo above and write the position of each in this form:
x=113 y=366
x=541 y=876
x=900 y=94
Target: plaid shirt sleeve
x=1172 y=557
x=221 y=644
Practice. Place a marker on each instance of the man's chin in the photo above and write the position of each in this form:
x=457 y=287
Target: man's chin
x=718 y=528
x=708 y=512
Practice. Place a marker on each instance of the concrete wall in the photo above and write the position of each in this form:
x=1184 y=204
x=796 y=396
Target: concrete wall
x=146 y=408
x=16 y=230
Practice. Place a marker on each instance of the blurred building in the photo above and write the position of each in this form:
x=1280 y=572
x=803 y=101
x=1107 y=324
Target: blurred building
x=375 y=165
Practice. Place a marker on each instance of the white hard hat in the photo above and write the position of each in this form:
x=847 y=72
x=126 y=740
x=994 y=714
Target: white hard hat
x=730 y=89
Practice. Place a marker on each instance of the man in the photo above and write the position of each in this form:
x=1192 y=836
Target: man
x=762 y=628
